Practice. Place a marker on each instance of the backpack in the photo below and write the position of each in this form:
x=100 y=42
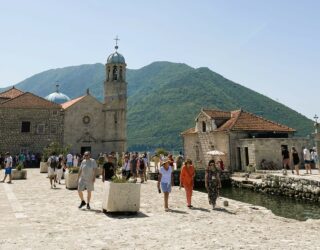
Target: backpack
x=53 y=162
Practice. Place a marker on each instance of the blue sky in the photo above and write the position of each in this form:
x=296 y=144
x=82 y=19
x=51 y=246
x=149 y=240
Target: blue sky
x=270 y=46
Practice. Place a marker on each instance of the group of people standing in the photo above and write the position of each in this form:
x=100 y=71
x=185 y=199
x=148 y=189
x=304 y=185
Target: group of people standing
x=187 y=175
x=308 y=158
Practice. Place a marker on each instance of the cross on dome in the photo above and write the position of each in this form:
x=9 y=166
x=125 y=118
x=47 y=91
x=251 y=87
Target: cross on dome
x=116 y=39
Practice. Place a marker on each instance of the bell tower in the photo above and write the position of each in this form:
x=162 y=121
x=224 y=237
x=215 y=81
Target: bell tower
x=115 y=103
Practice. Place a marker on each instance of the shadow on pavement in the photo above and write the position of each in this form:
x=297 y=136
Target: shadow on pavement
x=177 y=211
x=125 y=215
x=219 y=209
x=200 y=209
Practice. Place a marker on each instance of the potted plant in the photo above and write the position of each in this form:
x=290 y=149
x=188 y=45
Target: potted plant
x=19 y=173
x=121 y=196
x=44 y=165
x=71 y=177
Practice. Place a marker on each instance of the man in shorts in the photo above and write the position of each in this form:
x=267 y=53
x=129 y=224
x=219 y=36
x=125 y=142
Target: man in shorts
x=8 y=167
x=53 y=162
x=69 y=160
x=86 y=178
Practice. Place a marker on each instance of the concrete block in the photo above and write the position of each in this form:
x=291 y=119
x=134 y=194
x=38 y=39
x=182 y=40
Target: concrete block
x=71 y=180
x=43 y=167
x=19 y=175
x=121 y=197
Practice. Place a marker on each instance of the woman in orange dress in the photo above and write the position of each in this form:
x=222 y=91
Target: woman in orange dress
x=187 y=180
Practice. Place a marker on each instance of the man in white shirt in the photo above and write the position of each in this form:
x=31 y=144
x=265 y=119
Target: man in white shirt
x=8 y=167
x=307 y=160
x=69 y=160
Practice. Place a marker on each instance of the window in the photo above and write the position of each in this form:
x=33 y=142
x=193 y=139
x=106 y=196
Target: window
x=115 y=118
x=246 y=150
x=115 y=73
x=204 y=126
x=40 y=129
x=53 y=129
x=197 y=153
x=55 y=112
x=25 y=127
x=86 y=119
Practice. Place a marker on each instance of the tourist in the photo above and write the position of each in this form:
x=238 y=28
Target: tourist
x=187 y=180
x=312 y=158
x=146 y=164
x=221 y=164
x=171 y=163
x=141 y=168
x=109 y=169
x=295 y=159
x=76 y=159
x=1 y=161
x=8 y=168
x=22 y=159
x=86 y=178
x=53 y=162
x=133 y=166
x=126 y=168
x=33 y=160
x=179 y=160
x=285 y=159
x=165 y=179
x=69 y=160
x=60 y=167
x=212 y=182
x=307 y=160
x=156 y=160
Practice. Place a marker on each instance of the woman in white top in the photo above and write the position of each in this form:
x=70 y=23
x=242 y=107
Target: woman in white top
x=166 y=180
x=75 y=160
x=126 y=172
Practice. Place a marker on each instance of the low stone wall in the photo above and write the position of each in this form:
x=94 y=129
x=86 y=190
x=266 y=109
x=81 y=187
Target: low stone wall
x=297 y=188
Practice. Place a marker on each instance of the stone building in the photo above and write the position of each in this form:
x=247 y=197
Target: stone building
x=29 y=123
x=246 y=139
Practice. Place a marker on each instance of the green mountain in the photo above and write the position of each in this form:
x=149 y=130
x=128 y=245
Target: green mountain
x=164 y=98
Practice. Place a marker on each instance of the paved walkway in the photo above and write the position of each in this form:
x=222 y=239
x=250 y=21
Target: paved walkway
x=33 y=216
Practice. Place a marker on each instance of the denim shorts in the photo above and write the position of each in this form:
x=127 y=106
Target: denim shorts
x=8 y=170
x=166 y=187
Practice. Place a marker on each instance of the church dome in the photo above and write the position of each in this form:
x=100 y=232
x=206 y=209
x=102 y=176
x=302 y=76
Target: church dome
x=57 y=97
x=116 y=58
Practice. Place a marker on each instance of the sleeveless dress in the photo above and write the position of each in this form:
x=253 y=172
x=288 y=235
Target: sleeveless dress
x=213 y=184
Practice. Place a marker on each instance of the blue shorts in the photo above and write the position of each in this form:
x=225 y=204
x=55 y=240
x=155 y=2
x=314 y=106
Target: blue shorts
x=69 y=164
x=8 y=170
x=166 y=187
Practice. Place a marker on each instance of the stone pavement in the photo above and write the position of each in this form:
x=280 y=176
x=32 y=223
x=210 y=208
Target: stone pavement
x=33 y=216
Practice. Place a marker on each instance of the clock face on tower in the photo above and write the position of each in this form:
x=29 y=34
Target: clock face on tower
x=86 y=119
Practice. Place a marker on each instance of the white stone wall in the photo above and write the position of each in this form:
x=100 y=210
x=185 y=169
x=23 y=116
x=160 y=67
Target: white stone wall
x=270 y=148
x=77 y=133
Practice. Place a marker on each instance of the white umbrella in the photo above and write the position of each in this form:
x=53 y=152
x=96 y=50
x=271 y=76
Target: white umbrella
x=215 y=152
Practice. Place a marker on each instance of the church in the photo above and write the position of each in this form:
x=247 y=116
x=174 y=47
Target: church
x=29 y=122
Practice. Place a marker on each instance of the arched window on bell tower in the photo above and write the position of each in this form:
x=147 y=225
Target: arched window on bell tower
x=115 y=73
x=121 y=74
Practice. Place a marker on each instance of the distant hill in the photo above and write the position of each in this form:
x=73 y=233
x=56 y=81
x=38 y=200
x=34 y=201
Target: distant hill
x=164 y=98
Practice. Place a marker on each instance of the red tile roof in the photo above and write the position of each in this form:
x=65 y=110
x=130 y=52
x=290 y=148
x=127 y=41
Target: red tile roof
x=71 y=102
x=244 y=121
x=11 y=93
x=217 y=114
x=240 y=120
x=28 y=100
